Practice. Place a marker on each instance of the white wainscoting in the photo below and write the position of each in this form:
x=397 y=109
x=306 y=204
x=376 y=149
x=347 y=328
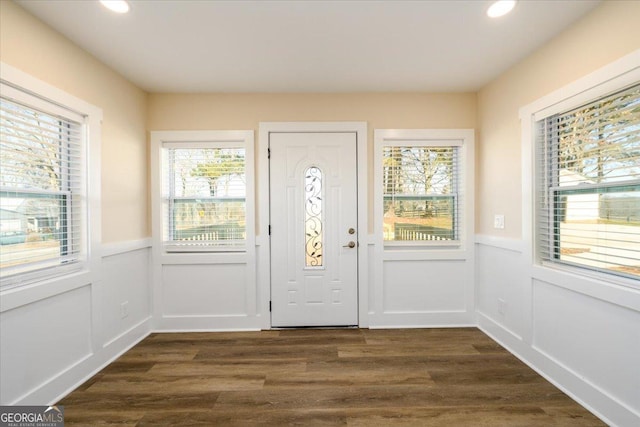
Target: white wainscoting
x=580 y=333
x=420 y=288
x=49 y=346
x=43 y=340
x=220 y=290
x=125 y=281
x=501 y=284
x=206 y=292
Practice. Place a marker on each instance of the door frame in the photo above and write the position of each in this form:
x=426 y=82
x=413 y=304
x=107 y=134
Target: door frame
x=263 y=251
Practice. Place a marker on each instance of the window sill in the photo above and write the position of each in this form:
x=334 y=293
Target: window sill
x=588 y=274
x=193 y=258
x=43 y=288
x=203 y=249
x=422 y=245
x=624 y=295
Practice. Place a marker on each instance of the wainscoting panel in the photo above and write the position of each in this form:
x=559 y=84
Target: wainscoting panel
x=417 y=289
x=501 y=297
x=125 y=292
x=423 y=286
x=217 y=293
x=580 y=333
x=204 y=290
x=565 y=324
x=43 y=340
x=51 y=345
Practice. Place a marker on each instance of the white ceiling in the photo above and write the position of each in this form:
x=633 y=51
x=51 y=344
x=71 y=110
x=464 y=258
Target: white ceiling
x=308 y=46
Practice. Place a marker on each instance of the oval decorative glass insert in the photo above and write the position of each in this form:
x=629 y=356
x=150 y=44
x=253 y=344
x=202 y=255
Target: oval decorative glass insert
x=313 y=217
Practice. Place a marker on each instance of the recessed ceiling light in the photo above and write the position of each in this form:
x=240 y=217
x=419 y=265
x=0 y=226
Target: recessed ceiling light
x=500 y=8
x=117 y=6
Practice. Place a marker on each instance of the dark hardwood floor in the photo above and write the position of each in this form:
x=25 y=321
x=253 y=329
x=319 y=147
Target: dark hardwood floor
x=354 y=377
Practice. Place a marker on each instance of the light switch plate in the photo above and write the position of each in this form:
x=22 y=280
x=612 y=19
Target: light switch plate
x=498 y=221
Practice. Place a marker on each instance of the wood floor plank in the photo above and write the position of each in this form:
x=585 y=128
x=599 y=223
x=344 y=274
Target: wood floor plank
x=417 y=336
x=141 y=354
x=280 y=351
x=327 y=377
x=412 y=350
x=208 y=336
x=110 y=419
x=125 y=367
x=483 y=369
x=213 y=367
x=571 y=415
x=523 y=416
x=137 y=403
x=390 y=396
x=345 y=378
x=176 y=385
x=290 y=340
x=490 y=348
x=247 y=418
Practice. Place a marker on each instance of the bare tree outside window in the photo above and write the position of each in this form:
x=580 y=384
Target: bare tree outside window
x=207 y=190
x=419 y=193
x=39 y=155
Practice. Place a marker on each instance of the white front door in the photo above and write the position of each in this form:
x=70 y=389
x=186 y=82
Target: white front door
x=314 y=231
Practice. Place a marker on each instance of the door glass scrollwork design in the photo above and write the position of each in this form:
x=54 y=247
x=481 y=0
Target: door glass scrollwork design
x=313 y=217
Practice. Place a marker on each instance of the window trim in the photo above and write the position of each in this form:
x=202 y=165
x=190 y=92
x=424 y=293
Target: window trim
x=609 y=79
x=462 y=138
x=32 y=286
x=201 y=139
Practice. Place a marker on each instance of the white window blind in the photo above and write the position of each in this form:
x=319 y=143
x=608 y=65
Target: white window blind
x=420 y=193
x=588 y=185
x=41 y=187
x=204 y=197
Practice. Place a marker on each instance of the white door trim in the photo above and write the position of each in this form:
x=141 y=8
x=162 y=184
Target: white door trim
x=262 y=228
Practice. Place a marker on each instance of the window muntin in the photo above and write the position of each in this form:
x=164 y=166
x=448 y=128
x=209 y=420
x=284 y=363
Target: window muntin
x=205 y=197
x=420 y=193
x=588 y=189
x=41 y=189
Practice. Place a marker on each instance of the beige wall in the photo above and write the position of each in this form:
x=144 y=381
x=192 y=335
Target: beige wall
x=29 y=45
x=609 y=32
x=246 y=111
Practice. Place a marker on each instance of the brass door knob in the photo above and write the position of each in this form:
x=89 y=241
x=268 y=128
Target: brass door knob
x=350 y=245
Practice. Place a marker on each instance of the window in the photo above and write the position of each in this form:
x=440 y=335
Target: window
x=205 y=187
x=206 y=196
x=421 y=186
x=44 y=181
x=313 y=224
x=588 y=185
x=420 y=193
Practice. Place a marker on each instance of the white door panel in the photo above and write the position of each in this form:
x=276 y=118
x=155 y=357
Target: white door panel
x=313 y=203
